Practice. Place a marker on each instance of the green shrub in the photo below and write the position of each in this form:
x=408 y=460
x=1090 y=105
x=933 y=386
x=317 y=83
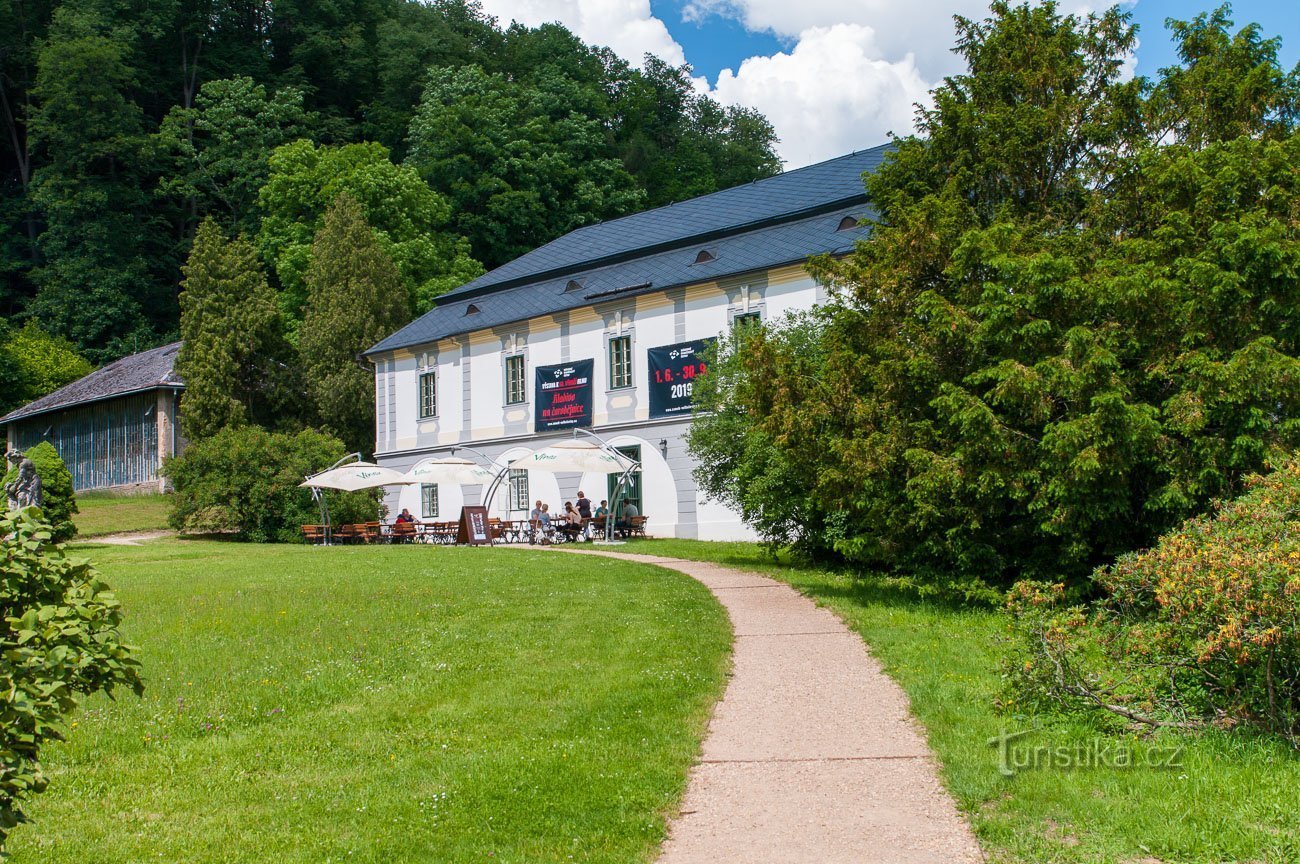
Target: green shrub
x=244 y=481
x=1202 y=628
x=59 y=641
x=56 y=486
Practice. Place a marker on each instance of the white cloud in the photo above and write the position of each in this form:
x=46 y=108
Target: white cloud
x=920 y=28
x=832 y=93
x=625 y=26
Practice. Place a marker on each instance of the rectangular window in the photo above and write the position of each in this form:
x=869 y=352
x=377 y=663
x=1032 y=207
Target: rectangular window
x=745 y=320
x=429 y=501
x=631 y=491
x=428 y=395
x=516 y=386
x=519 y=489
x=620 y=362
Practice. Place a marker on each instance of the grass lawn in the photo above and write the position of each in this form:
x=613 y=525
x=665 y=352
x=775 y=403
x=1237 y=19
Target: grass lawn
x=386 y=705
x=105 y=513
x=1234 y=798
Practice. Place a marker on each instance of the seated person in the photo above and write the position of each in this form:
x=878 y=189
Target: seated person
x=534 y=521
x=544 y=524
x=630 y=512
x=404 y=516
x=571 y=521
x=602 y=512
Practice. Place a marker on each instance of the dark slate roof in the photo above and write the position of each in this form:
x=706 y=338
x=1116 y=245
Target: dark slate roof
x=767 y=223
x=148 y=370
x=789 y=243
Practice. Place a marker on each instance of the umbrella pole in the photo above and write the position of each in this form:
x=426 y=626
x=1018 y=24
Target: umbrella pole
x=324 y=514
x=491 y=490
x=618 y=487
x=618 y=496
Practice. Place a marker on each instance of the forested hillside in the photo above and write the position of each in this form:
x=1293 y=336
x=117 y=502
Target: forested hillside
x=465 y=143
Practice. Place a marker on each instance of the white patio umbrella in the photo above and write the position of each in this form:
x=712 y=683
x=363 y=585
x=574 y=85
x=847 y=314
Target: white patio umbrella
x=350 y=478
x=357 y=475
x=450 y=469
x=574 y=456
x=579 y=456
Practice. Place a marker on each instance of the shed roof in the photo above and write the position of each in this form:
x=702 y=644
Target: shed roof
x=766 y=223
x=148 y=370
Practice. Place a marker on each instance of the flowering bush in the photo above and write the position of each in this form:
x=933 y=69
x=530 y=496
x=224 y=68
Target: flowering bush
x=59 y=641
x=1204 y=627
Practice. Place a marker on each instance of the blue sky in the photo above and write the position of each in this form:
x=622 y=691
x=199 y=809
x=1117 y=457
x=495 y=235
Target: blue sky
x=719 y=42
x=837 y=75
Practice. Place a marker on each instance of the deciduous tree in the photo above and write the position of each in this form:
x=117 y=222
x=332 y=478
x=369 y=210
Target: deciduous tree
x=408 y=219
x=519 y=164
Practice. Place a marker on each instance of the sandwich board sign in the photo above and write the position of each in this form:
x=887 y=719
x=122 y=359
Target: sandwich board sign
x=474 y=529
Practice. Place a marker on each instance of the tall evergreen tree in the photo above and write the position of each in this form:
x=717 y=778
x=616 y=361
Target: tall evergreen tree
x=234 y=359
x=1071 y=328
x=1228 y=84
x=355 y=298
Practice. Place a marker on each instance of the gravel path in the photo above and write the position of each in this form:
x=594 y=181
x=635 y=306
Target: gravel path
x=812 y=755
x=126 y=538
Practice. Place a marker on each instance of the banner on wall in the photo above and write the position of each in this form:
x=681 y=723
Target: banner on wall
x=673 y=370
x=564 y=396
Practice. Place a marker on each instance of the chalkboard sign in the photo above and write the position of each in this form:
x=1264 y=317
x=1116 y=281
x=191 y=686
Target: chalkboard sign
x=474 y=529
x=673 y=370
x=564 y=395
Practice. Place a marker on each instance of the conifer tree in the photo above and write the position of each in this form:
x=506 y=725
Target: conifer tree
x=355 y=298
x=233 y=359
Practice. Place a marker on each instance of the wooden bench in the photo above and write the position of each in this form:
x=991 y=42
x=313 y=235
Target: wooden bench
x=636 y=527
x=314 y=534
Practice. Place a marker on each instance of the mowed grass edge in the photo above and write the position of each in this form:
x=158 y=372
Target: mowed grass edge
x=104 y=513
x=386 y=704
x=1231 y=797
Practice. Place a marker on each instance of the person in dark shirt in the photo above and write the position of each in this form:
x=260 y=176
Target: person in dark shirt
x=405 y=516
x=583 y=505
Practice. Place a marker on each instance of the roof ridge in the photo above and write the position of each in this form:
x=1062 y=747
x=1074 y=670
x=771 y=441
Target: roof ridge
x=716 y=192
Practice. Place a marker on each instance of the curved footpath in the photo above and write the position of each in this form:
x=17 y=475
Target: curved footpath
x=812 y=755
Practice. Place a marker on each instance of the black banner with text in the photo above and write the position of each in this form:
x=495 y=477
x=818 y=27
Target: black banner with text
x=673 y=370
x=564 y=395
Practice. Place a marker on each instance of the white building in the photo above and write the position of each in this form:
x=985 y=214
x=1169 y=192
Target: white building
x=598 y=329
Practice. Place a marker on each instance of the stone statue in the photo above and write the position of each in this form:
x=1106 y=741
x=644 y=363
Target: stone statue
x=25 y=489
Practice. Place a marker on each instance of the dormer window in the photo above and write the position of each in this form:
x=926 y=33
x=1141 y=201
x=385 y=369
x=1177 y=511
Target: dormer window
x=471 y=309
x=705 y=256
x=848 y=223
x=572 y=285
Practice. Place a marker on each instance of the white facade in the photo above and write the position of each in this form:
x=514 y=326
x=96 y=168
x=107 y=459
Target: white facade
x=471 y=407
